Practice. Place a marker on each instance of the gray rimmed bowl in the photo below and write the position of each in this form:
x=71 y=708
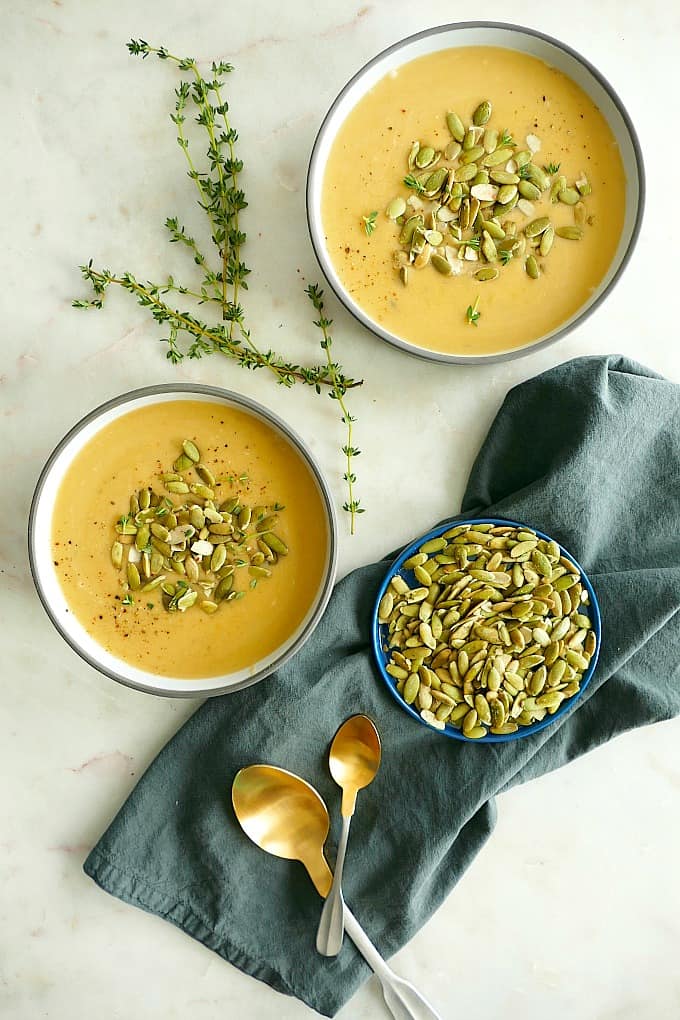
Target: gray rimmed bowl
x=507 y=36
x=47 y=582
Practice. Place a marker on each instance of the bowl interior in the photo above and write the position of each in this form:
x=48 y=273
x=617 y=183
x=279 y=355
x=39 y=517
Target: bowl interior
x=47 y=581
x=379 y=634
x=511 y=37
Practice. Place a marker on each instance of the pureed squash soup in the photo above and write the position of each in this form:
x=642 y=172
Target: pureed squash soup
x=578 y=184
x=250 y=596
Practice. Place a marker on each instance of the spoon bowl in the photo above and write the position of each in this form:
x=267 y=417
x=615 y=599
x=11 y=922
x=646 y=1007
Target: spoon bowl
x=354 y=758
x=285 y=816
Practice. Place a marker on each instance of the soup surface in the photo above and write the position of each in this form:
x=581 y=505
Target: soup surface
x=250 y=460
x=368 y=162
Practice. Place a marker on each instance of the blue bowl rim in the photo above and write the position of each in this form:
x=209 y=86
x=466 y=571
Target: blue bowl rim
x=450 y=731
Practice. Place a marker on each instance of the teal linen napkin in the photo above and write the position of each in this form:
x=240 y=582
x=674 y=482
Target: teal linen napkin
x=588 y=452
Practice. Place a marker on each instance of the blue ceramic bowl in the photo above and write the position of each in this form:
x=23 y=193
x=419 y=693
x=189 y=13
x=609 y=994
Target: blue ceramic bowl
x=379 y=635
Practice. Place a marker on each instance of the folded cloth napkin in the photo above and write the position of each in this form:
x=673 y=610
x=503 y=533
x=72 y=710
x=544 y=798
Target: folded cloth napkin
x=588 y=452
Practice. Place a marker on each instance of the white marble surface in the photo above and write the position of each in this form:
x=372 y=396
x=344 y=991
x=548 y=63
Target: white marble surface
x=572 y=909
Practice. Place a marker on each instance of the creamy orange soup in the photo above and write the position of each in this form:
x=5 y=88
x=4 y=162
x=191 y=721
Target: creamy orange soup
x=129 y=454
x=368 y=161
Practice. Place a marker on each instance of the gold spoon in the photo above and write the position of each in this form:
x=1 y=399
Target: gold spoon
x=354 y=759
x=285 y=816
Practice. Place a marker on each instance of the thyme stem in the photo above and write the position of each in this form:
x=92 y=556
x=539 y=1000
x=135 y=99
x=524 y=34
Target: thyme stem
x=352 y=505
x=182 y=93
x=222 y=201
x=207 y=339
x=234 y=176
x=231 y=216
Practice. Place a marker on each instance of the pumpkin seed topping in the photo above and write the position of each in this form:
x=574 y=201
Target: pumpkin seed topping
x=475 y=191
x=189 y=552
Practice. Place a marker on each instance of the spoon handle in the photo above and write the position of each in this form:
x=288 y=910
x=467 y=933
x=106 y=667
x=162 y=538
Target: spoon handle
x=331 y=923
x=401 y=998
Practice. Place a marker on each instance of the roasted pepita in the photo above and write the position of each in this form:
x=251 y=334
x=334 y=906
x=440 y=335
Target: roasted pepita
x=482 y=113
x=195 y=541
x=570 y=233
x=455 y=126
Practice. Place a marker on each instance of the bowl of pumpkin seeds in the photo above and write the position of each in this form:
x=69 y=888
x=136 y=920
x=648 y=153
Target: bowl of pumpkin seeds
x=486 y=630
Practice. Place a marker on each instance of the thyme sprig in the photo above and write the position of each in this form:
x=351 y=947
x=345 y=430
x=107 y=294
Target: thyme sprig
x=370 y=222
x=206 y=339
x=411 y=181
x=222 y=199
x=352 y=505
x=472 y=313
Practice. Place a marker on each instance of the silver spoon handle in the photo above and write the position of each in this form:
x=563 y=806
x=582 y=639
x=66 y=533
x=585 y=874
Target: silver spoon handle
x=401 y=998
x=331 y=923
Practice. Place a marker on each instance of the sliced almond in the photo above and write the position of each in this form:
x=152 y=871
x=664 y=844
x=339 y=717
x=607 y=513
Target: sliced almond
x=484 y=192
x=423 y=258
x=202 y=548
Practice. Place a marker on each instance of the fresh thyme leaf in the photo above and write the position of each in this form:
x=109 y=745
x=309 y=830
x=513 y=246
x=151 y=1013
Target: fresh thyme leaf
x=222 y=199
x=504 y=255
x=552 y=168
x=472 y=314
x=473 y=243
x=412 y=182
x=524 y=172
x=506 y=139
x=128 y=600
x=352 y=505
x=370 y=222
